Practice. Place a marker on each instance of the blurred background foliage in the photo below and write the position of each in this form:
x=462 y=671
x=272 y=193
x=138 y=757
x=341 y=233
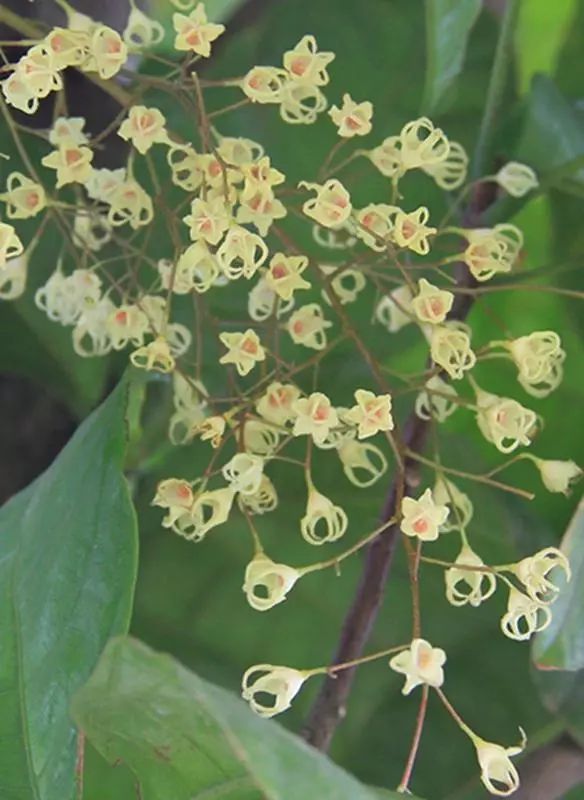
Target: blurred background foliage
x=408 y=57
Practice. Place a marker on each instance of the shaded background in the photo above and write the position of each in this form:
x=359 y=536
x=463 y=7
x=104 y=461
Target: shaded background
x=188 y=599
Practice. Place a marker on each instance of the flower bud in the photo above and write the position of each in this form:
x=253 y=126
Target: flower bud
x=281 y=683
x=266 y=583
x=421 y=664
x=558 y=476
x=516 y=179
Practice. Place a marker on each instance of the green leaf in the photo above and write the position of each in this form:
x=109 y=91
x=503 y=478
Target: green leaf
x=542 y=28
x=553 y=137
x=68 y=556
x=185 y=738
x=448 y=25
x=561 y=645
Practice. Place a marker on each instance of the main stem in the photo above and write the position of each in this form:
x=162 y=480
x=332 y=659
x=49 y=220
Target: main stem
x=330 y=705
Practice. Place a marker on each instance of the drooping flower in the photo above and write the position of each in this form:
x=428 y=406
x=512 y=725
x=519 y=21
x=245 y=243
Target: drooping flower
x=282 y=684
x=267 y=583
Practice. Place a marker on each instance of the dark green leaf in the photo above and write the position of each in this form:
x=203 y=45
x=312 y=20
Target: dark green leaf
x=448 y=25
x=553 y=137
x=561 y=645
x=68 y=556
x=185 y=738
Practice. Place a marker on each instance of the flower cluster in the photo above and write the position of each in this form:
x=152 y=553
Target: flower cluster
x=245 y=387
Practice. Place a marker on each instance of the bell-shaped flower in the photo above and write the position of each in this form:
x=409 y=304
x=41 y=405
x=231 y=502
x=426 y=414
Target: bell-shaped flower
x=284 y=275
x=533 y=573
x=421 y=664
x=524 y=616
x=504 y=422
x=128 y=324
x=539 y=358
x=155 y=356
x=346 y=284
x=304 y=63
x=352 y=119
x=262 y=302
x=176 y=496
x=103 y=182
x=516 y=179
x=39 y=72
x=130 y=203
x=260 y=209
x=469 y=586
x=190 y=409
x=194 y=32
x=387 y=157
x=244 y=473
x=363 y=463
x=65 y=298
x=498 y=774
x=410 y=230
x=260 y=438
x=308 y=326
x=431 y=304
x=263 y=500
x=200 y=265
x=371 y=414
x=460 y=506
x=280 y=684
x=10 y=244
x=394 y=310
x=208 y=219
x=71 y=162
x=450 y=173
x=24 y=198
x=492 y=251
x=266 y=583
x=69 y=48
x=242 y=253
x=108 y=52
x=437 y=400
x=264 y=84
x=90 y=335
x=67 y=131
x=301 y=103
x=210 y=429
x=276 y=404
x=19 y=94
x=141 y=31
x=450 y=349
x=315 y=416
x=422 y=145
x=13 y=278
x=374 y=224
x=184 y=164
x=422 y=518
x=331 y=207
x=558 y=476
x=244 y=350
x=144 y=127
x=210 y=509
x=323 y=521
